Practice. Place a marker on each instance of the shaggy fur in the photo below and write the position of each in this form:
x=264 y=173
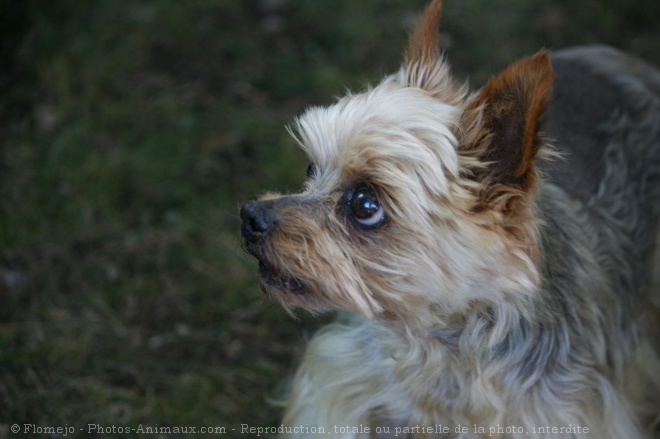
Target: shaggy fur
x=485 y=292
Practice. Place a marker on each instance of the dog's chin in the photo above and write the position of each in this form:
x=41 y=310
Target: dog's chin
x=289 y=291
x=277 y=284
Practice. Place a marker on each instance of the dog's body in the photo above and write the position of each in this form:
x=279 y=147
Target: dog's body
x=482 y=301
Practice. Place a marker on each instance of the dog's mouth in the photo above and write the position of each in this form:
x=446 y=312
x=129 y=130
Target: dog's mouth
x=274 y=280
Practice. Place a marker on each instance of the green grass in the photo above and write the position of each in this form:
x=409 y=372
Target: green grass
x=130 y=133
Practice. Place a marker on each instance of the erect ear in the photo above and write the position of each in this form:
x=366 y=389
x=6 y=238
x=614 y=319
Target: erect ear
x=505 y=138
x=423 y=41
x=423 y=65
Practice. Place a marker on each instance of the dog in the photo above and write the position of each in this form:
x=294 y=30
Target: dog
x=489 y=251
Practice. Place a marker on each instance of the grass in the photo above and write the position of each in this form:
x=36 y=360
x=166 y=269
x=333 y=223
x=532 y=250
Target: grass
x=130 y=133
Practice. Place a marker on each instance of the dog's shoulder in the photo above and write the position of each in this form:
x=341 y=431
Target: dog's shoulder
x=593 y=84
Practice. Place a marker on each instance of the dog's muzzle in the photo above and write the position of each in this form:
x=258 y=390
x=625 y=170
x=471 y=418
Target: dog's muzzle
x=258 y=221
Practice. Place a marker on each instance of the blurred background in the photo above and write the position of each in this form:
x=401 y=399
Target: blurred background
x=131 y=132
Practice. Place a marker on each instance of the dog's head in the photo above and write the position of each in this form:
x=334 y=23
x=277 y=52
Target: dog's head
x=419 y=198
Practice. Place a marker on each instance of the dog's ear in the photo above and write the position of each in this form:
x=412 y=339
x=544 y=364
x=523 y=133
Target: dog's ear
x=501 y=122
x=423 y=64
x=423 y=42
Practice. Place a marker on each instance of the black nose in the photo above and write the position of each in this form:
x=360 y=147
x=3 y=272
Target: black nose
x=258 y=219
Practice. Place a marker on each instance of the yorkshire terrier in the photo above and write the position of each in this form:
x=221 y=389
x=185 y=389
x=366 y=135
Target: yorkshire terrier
x=490 y=251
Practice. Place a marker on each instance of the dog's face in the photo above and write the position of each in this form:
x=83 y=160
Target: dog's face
x=418 y=198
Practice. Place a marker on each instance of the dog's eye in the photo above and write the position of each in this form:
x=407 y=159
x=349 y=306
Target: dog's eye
x=365 y=207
